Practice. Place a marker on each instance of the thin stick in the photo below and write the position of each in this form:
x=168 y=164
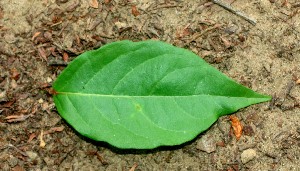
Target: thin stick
x=197 y=35
x=166 y=6
x=55 y=62
x=236 y=12
x=18 y=150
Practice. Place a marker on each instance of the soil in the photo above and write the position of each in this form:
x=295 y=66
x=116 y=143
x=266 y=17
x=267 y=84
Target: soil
x=39 y=38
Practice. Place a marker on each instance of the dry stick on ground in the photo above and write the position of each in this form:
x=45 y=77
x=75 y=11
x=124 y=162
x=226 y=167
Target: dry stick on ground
x=197 y=35
x=236 y=12
x=166 y=6
x=18 y=150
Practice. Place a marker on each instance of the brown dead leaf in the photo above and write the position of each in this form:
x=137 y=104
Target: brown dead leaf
x=1 y=14
x=206 y=53
x=237 y=126
x=18 y=168
x=135 y=11
x=285 y=3
x=100 y=158
x=226 y=42
x=48 y=35
x=65 y=57
x=242 y=38
x=15 y=74
x=54 y=129
x=58 y=129
x=180 y=33
x=73 y=6
x=94 y=3
x=8 y=104
x=51 y=91
x=221 y=144
x=31 y=137
x=35 y=35
x=44 y=85
x=230 y=169
x=16 y=118
x=107 y=1
x=42 y=53
x=42 y=142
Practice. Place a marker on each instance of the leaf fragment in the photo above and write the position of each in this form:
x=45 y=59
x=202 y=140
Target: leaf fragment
x=65 y=57
x=236 y=126
x=54 y=129
x=31 y=137
x=94 y=3
x=135 y=11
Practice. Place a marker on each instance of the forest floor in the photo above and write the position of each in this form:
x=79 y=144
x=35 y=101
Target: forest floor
x=39 y=38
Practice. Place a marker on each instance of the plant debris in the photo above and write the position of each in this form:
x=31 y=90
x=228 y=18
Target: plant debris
x=236 y=126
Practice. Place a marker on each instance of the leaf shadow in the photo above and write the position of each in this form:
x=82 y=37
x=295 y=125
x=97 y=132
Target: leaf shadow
x=101 y=144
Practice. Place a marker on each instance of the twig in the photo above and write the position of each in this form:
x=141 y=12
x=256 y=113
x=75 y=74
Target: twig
x=133 y=167
x=64 y=27
x=17 y=118
x=18 y=150
x=236 y=12
x=55 y=62
x=166 y=6
x=55 y=24
x=197 y=35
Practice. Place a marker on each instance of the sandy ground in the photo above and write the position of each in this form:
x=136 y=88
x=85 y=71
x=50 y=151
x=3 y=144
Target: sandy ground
x=38 y=38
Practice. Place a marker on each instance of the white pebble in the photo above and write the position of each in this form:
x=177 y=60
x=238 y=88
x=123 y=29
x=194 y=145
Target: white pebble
x=248 y=155
x=207 y=144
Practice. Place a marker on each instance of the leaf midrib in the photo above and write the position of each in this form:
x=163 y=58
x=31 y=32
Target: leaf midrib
x=129 y=96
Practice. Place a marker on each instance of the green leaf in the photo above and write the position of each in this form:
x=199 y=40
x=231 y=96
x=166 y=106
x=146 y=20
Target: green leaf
x=145 y=94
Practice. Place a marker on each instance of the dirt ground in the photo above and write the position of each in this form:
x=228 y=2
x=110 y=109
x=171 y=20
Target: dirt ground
x=39 y=38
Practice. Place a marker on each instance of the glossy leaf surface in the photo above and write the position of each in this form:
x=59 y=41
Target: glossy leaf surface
x=145 y=94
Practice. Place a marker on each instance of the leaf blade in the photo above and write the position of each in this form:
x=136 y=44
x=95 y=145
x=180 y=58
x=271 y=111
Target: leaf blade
x=146 y=94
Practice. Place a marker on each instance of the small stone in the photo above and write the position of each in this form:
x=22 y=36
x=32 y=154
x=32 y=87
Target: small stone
x=14 y=84
x=10 y=38
x=12 y=161
x=267 y=67
x=207 y=144
x=120 y=25
x=45 y=106
x=49 y=80
x=41 y=101
x=248 y=155
x=3 y=97
x=49 y=161
x=32 y=155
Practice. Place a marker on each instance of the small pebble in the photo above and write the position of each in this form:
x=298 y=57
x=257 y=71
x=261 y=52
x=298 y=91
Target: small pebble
x=13 y=84
x=248 y=155
x=120 y=25
x=3 y=97
x=41 y=101
x=12 y=161
x=32 y=155
x=207 y=144
x=49 y=80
